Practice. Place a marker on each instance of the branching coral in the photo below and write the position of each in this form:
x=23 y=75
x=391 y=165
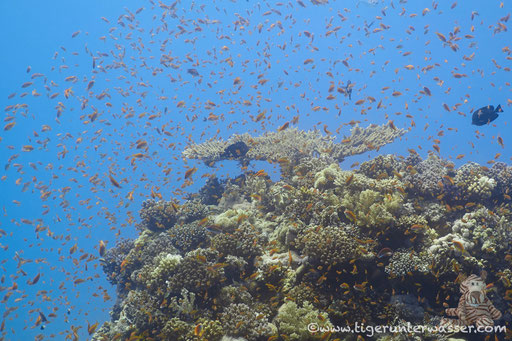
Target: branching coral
x=405 y=262
x=244 y=241
x=482 y=187
x=165 y=265
x=426 y=176
x=240 y=320
x=188 y=237
x=490 y=231
x=192 y=210
x=196 y=272
x=158 y=215
x=383 y=166
x=502 y=174
x=474 y=182
x=372 y=208
x=114 y=258
x=329 y=245
x=293 y=321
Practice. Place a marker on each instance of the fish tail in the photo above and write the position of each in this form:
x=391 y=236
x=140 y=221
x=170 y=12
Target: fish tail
x=498 y=108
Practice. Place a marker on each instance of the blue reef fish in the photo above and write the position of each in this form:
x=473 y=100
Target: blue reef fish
x=485 y=115
x=236 y=150
x=348 y=90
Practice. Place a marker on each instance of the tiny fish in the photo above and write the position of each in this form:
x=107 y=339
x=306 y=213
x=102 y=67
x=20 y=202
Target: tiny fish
x=35 y=279
x=350 y=215
x=193 y=72
x=91 y=328
x=417 y=227
x=385 y=252
x=190 y=172
x=43 y=318
x=500 y=142
x=102 y=248
x=199 y=330
x=360 y=287
x=441 y=37
x=113 y=181
x=284 y=126
x=349 y=179
x=458 y=245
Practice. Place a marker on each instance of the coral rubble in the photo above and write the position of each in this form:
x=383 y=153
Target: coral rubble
x=252 y=259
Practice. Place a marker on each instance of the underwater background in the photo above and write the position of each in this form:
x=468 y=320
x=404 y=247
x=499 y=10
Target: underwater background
x=239 y=170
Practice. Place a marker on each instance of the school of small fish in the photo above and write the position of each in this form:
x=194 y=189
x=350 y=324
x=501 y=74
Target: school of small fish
x=85 y=142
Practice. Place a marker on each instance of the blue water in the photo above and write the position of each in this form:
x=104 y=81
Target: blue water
x=222 y=40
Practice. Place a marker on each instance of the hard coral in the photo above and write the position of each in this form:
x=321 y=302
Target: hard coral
x=404 y=262
x=426 y=176
x=294 y=144
x=158 y=215
x=382 y=166
x=294 y=321
x=240 y=320
x=328 y=245
x=196 y=272
x=114 y=258
x=244 y=242
x=372 y=208
x=188 y=237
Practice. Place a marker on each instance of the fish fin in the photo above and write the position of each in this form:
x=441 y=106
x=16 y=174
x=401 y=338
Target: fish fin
x=498 y=108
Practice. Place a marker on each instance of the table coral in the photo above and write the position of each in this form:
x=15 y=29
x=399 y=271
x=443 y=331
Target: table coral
x=295 y=144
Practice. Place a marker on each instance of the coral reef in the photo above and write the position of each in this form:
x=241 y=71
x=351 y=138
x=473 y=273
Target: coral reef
x=249 y=258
